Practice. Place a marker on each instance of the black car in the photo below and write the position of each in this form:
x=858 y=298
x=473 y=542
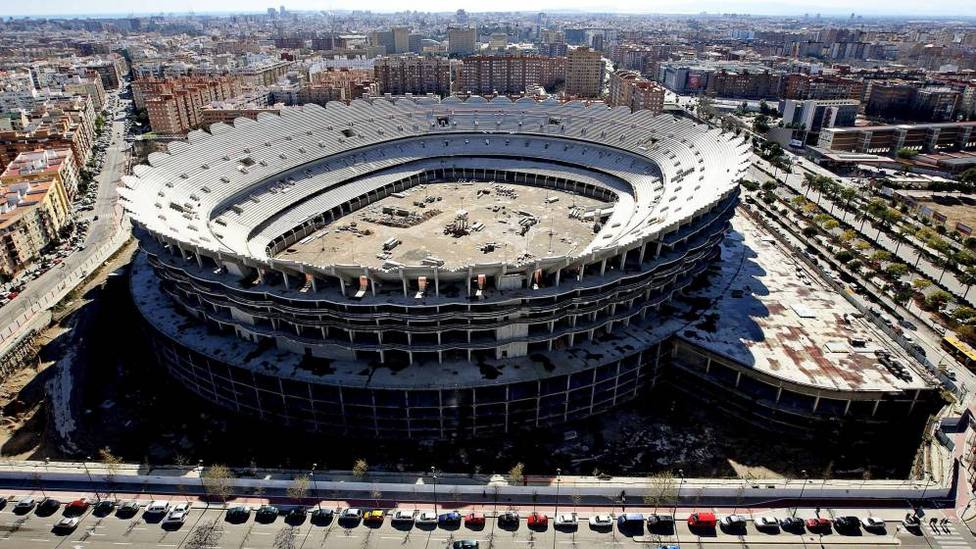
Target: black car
x=48 y=506
x=322 y=516
x=266 y=513
x=660 y=520
x=791 y=523
x=508 y=518
x=104 y=507
x=847 y=523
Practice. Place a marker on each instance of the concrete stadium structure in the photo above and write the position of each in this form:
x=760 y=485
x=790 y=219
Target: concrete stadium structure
x=421 y=348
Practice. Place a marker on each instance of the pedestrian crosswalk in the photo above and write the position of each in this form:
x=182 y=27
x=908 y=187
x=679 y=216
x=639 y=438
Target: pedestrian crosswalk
x=948 y=536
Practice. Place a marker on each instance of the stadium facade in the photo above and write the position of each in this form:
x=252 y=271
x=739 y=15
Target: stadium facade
x=422 y=348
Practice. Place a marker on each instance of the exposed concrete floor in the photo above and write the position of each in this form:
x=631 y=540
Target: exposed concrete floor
x=555 y=234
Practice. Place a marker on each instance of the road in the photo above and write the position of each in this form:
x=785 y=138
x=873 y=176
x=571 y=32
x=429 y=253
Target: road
x=142 y=531
x=100 y=230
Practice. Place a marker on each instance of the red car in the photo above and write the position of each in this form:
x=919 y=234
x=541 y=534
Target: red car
x=474 y=519
x=77 y=506
x=537 y=520
x=702 y=520
x=818 y=524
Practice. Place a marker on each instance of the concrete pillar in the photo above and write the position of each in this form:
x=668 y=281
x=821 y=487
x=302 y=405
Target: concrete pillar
x=437 y=282
x=779 y=393
x=875 y=409
x=738 y=377
x=199 y=259
x=342 y=285
x=708 y=364
x=559 y=271
x=657 y=250
x=315 y=285
x=603 y=266
x=287 y=279
x=469 y=281
x=403 y=280
x=623 y=260
x=847 y=406
x=640 y=257
x=816 y=403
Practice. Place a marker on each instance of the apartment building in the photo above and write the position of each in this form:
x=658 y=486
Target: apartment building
x=338 y=85
x=174 y=106
x=411 y=73
x=630 y=89
x=584 y=73
x=946 y=136
x=53 y=124
x=507 y=74
x=807 y=118
x=461 y=40
x=34 y=206
x=805 y=86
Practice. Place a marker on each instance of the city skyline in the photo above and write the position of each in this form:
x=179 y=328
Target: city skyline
x=830 y=8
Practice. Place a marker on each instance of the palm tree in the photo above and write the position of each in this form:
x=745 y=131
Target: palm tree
x=967 y=278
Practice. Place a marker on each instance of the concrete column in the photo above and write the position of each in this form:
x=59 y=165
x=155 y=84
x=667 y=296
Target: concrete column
x=708 y=364
x=315 y=285
x=643 y=249
x=199 y=259
x=342 y=285
x=287 y=280
x=738 y=377
x=847 y=406
x=875 y=409
x=603 y=266
x=816 y=403
x=403 y=279
x=559 y=271
x=623 y=260
x=657 y=250
x=779 y=393
x=437 y=283
x=469 y=281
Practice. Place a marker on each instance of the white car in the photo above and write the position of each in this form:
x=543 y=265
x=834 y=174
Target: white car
x=157 y=506
x=351 y=514
x=766 y=522
x=601 y=521
x=566 y=519
x=427 y=517
x=872 y=523
x=180 y=507
x=402 y=515
x=66 y=524
x=175 y=517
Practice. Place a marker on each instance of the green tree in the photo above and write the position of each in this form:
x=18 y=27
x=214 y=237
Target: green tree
x=905 y=152
x=360 y=469
x=216 y=481
x=937 y=299
x=896 y=270
x=516 y=475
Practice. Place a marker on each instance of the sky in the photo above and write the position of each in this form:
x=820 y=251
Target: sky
x=911 y=8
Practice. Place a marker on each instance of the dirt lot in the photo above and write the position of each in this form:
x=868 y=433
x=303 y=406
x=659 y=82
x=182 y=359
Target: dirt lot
x=960 y=209
x=501 y=210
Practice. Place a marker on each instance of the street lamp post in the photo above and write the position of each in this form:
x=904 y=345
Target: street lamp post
x=677 y=496
x=91 y=481
x=312 y=478
x=433 y=473
x=803 y=473
x=555 y=512
x=202 y=486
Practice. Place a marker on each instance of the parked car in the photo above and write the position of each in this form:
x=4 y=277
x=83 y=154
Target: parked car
x=373 y=516
x=508 y=518
x=175 y=517
x=766 y=522
x=566 y=519
x=402 y=515
x=48 y=505
x=702 y=520
x=130 y=507
x=351 y=514
x=238 y=513
x=427 y=517
x=791 y=523
x=104 y=507
x=77 y=506
x=450 y=517
x=25 y=504
x=465 y=544
x=911 y=522
x=537 y=520
x=157 y=507
x=873 y=523
x=846 y=523
x=266 y=513
x=297 y=513
x=601 y=521
x=818 y=525
x=66 y=524
x=660 y=520
x=322 y=515
x=629 y=519
x=474 y=519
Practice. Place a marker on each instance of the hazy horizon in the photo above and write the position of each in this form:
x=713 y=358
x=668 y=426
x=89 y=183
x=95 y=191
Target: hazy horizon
x=828 y=8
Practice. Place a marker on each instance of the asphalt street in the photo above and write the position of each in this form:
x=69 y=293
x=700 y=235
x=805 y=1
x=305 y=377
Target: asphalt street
x=208 y=528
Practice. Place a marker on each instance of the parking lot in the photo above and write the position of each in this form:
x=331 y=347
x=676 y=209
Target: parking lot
x=212 y=527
